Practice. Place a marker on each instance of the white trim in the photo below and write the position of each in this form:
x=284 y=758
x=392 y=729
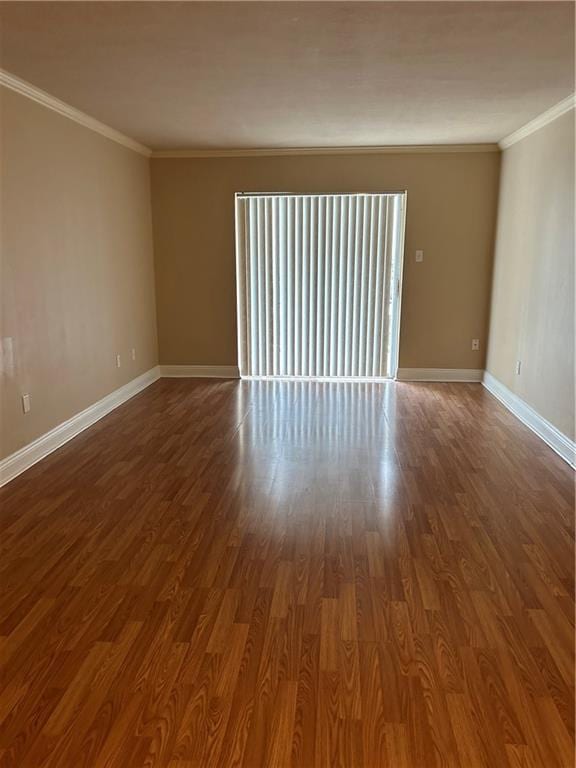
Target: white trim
x=399 y=279
x=30 y=454
x=200 y=371
x=552 y=436
x=51 y=102
x=539 y=122
x=26 y=457
x=439 y=374
x=281 y=151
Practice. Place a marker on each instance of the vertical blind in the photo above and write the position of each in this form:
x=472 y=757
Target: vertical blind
x=316 y=281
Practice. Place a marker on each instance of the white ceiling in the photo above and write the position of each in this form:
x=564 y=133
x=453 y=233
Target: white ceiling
x=297 y=74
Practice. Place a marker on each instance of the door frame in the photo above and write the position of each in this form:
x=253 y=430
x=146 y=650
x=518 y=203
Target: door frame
x=398 y=266
x=397 y=310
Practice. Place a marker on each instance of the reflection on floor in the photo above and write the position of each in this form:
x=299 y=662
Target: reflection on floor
x=225 y=573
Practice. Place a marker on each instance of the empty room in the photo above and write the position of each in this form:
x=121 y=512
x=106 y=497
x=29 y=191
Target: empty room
x=287 y=365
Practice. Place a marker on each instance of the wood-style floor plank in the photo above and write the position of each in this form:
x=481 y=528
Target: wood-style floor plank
x=226 y=574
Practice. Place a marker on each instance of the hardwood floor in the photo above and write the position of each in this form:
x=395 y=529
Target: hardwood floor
x=225 y=573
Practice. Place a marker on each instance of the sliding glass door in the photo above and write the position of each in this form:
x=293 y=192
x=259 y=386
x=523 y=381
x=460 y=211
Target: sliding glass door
x=318 y=284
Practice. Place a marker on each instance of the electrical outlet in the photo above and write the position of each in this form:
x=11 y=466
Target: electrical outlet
x=118 y=361
x=419 y=256
x=26 y=403
x=475 y=345
x=518 y=367
x=133 y=352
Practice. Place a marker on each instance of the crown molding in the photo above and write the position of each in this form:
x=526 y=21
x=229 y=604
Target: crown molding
x=24 y=88
x=291 y=151
x=539 y=122
x=51 y=102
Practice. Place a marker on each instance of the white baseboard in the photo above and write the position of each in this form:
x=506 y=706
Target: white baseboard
x=439 y=374
x=200 y=371
x=558 y=441
x=30 y=454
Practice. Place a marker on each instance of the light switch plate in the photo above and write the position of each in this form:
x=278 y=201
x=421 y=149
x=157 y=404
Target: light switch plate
x=419 y=255
x=26 y=403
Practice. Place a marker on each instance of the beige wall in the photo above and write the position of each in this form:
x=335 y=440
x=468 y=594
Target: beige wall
x=77 y=267
x=532 y=317
x=78 y=273
x=450 y=215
